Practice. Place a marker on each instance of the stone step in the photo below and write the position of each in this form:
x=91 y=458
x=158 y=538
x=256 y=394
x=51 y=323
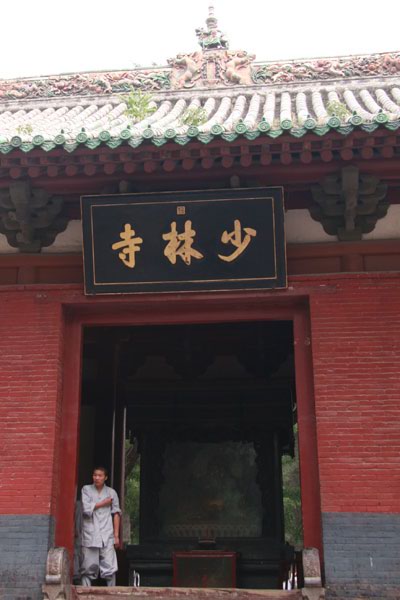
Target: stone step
x=147 y=593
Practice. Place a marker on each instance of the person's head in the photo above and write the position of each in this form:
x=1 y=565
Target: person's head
x=100 y=476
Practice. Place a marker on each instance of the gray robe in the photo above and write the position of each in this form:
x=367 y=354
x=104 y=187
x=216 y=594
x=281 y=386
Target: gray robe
x=97 y=525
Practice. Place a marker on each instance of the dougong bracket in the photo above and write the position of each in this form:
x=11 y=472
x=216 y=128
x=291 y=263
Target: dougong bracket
x=30 y=218
x=349 y=204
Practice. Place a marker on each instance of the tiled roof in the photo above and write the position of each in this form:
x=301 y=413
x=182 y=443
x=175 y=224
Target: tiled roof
x=233 y=95
x=245 y=111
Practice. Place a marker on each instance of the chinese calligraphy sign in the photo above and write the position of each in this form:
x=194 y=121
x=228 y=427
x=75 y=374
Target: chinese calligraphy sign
x=184 y=241
x=129 y=246
x=180 y=244
x=235 y=238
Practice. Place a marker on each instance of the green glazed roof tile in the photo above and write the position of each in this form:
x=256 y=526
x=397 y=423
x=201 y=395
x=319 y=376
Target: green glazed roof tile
x=251 y=135
x=59 y=140
x=182 y=140
x=26 y=147
x=286 y=124
x=38 y=140
x=114 y=143
x=229 y=137
x=369 y=127
x=92 y=144
x=135 y=142
x=217 y=129
x=68 y=147
x=82 y=137
x=393 y=125
x=298 y=132
x=206 y=138
x=48 y=146
x=381 y=118
x=159 y=141
x=275 y=133
x=321 y=130
x=247 y=112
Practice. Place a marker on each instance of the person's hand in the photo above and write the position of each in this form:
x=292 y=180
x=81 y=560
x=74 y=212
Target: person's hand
x=105 y=502
x=116 y=542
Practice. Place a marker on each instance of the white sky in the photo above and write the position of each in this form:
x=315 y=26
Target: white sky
x=41 y=37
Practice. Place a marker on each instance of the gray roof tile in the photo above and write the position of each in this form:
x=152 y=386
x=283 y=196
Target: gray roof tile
x=65 y=111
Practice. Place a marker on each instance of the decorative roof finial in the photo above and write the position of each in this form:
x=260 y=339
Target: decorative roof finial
x=211 y=38
x=211 y=20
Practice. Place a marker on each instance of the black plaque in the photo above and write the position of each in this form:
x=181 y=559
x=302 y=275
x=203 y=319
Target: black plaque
x=184 y=241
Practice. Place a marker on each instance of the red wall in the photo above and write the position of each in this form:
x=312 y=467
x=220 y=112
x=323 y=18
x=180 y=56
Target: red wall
x=355 y=322
x=356 y=355
x=30 y=378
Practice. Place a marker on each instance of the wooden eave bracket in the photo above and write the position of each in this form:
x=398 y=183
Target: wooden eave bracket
x=349 y=204
x=30 y=218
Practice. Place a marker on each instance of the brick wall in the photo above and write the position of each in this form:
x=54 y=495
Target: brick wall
x=30 y=379
x=362 y=548
x=356 y=355
x=24 y=542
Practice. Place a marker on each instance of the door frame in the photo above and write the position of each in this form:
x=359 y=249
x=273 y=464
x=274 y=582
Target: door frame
x=174 y=309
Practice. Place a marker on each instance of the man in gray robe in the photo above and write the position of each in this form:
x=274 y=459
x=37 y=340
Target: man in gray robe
x=100 y=530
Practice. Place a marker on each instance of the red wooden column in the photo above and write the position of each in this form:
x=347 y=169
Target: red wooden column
x=308 y=449
x=69 y=441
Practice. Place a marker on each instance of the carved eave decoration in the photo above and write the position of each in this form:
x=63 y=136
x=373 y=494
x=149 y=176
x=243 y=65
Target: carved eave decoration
x=30 y=218
x=349 y=204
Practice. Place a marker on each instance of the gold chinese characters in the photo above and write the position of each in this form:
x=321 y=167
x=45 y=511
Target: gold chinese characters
x=235 y=238
x=129 y=246
x=180 y=245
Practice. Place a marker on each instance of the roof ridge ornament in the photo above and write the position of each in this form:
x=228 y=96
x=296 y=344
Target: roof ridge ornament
x=213 y=65
x=211 y=20
x=211 y=38
x=188 y=70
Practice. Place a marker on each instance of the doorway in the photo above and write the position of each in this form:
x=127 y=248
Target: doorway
x=193 y=422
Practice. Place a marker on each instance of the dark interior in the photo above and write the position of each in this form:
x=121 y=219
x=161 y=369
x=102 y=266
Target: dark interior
x=206 y=413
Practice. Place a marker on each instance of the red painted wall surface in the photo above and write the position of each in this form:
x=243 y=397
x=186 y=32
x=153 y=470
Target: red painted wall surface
x=356 y=356
x=355 y=341
x=30 y=386
x=30 y=377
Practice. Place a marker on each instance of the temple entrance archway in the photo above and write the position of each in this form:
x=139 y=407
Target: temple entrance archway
x=206 y=428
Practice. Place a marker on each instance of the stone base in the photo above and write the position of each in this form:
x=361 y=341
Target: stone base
x=361 y=553
x=24 y=542
x=362 y=592
x=146 y=593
